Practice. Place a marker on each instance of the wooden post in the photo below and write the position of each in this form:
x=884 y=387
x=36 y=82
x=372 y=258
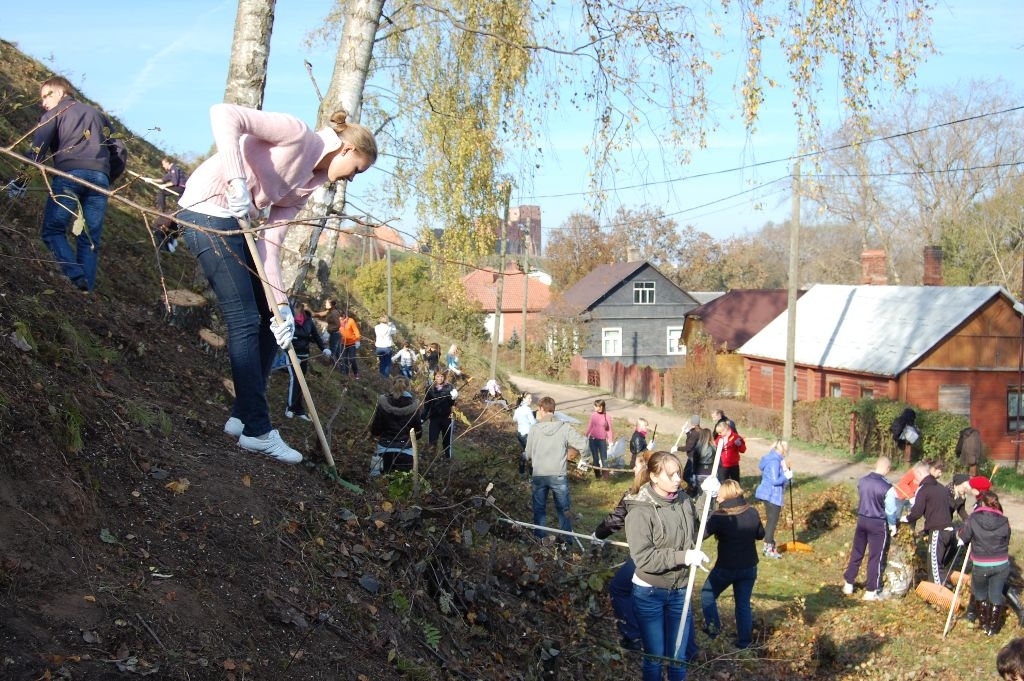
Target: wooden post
x=415 y=465
x=788 y=392
x=496 y=337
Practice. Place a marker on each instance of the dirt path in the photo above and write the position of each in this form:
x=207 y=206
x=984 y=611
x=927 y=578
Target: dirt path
x=579 y=400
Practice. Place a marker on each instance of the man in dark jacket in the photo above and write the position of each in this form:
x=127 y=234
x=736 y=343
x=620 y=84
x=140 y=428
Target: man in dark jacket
x=935 y=504
x=871 y=532
x=76 y=138
x=305 y=331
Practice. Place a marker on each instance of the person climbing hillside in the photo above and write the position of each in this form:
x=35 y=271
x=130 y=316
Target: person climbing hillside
x=265 y=163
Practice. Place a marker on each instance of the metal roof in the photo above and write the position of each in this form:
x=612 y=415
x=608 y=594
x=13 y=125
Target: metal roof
x=880 y=330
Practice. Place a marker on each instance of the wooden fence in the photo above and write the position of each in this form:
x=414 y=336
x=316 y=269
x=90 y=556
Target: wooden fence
x=639 y=384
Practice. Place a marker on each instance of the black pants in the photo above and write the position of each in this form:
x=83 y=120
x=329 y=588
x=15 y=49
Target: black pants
x=728 y=473
x=442 y=427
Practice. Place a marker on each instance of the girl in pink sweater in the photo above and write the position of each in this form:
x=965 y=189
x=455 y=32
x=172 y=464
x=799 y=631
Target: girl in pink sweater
x=266 y=164
x=599 y=434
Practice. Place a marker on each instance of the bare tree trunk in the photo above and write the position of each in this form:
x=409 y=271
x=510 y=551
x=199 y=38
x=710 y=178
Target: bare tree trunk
x=351 y=68
x=250 y=51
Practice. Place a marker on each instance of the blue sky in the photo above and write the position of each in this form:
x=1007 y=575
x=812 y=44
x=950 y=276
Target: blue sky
x=159 y=65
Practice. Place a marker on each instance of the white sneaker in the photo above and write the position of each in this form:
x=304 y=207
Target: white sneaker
x=872 y=596
x=847 y=588
x=234 y=427
x=272 y=445
x=288 y=414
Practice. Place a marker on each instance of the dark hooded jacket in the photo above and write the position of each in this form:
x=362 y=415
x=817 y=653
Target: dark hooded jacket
x=934 y=504
x=393 y=419
x=907 y=418
x=659 y=532
x=988 y=532
x=737 y=526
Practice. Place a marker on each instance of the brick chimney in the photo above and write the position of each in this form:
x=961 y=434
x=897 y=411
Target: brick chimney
x=932 y=266
x=872 y=268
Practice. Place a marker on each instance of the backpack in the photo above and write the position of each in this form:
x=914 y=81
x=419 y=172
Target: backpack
x=118 y=157
x=706 y=455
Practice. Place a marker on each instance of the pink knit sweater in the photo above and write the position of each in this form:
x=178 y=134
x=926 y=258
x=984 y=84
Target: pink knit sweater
x=276 y=154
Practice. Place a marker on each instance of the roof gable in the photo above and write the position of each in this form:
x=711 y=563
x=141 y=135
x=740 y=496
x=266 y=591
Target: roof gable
x=482 y=286
x=734 y=317
x=597 y=285
x=881 y=330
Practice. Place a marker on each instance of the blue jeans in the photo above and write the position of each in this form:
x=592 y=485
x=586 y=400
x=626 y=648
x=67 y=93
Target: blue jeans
x=659 y=611
x=621 y=591
x=384 y=360
x=894 y=506
x=228 y=266
x=598 y=453
x=59 y=214
x=742 y=582
x=406 y=371
x=334 y=343
x=559 y=486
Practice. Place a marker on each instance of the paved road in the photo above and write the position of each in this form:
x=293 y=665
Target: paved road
x=578 y=400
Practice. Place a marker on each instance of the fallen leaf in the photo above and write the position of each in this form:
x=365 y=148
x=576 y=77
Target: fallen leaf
x=388 y=506
x=380 y=524
x=229 y=665
x=292 y=527
x=256 y=521
x=247 y=480
x=89 y=599
x=178 y=486
x=106 y=537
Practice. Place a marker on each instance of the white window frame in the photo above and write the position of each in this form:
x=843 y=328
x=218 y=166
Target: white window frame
x=607 y=337
x=642 y=290
x=674 y=347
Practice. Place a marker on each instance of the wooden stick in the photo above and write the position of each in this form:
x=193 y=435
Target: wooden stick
x=415 y=465
x=956 y=593
x=700 y=540
x=300 y=378
x=577 y=535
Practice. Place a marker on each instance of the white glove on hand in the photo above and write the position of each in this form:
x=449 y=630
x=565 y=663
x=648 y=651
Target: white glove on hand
x=455 y=393
x=959 y=542
x=673 y=450
x=595 y=541
x=711 y=485
x=284 y=330
x=695 y=558
x=358 y=344
x=582 y=465
x=787 y=474
x=16 y=187
x=239 y=198
x=650 y=446
x=327 y=353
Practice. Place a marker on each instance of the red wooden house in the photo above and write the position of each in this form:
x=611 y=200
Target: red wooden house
x=952 y=348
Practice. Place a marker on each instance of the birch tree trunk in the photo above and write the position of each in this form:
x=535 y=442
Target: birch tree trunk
x=351 y=68
x=250 y=51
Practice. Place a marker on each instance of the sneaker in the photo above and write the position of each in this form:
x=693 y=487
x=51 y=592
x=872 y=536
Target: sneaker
x=234 y=427
x=304 y=417
x=772 y=553
x=847 y=588
x=272 y=445
x=872 y=596
x=81 y=283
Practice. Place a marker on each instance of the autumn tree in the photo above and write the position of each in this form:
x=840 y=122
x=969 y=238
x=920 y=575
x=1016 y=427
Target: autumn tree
x=574 y=249
x=644 y=234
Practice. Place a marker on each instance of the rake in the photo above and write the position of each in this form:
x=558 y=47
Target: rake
x=794 y=546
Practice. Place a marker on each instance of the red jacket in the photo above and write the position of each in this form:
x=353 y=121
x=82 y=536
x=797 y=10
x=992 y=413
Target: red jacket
x=734 y=446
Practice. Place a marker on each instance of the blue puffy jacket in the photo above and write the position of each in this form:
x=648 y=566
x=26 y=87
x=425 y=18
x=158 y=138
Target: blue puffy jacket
x=773 y=478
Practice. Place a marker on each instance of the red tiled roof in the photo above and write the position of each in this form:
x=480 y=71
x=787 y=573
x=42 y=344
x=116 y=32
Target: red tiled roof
x=482 y=286
x=735 y=317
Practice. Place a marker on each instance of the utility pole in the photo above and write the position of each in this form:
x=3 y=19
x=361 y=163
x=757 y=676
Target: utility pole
x=789 y=392
x=388 y=250
x=527 y=242
x=496 y=336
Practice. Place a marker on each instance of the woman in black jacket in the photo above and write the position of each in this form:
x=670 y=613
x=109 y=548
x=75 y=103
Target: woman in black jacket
x=397 y=413
x=437 y=411
x=305 y=331
x=737 y=526
x=988 y=532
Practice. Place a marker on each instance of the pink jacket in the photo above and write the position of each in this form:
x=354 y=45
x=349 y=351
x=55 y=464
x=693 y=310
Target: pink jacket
x=599 y=427
x=276 y=154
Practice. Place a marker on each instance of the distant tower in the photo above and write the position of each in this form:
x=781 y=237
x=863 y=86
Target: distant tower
x=524 y=230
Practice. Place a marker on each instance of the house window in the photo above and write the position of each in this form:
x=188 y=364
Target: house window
x=643 y=293
x=675 y=343
x=835 y=390
x=868 y=393
x=611 y=342
x=1014 y=417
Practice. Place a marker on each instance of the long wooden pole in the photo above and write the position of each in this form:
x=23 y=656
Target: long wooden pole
x=527 y=242
x=496 y=337
x=789 y=391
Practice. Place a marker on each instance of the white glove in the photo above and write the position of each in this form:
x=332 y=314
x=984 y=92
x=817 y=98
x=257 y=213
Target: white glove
x=327 y=353
x=285 y=329
x=455 y=394
x=788 y=474
x=357 y=345
x=239 y=198
x=695 y=558
x=595 y=541
x=711 y=485
x=16 y=187
x=959 y=542
x=582 y=465
x=650 y=446
x=673 y=450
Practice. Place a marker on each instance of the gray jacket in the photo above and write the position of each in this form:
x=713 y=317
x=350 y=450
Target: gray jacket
x=659 y=531
x=547 y=443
